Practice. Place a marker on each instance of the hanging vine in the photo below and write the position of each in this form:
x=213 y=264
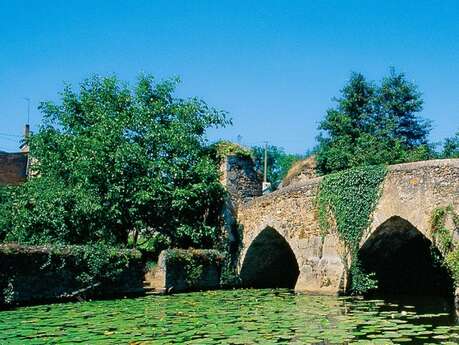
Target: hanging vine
x=443 y=239
x=345 y=203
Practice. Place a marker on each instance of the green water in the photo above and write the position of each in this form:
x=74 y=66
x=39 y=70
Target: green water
x=232 y=317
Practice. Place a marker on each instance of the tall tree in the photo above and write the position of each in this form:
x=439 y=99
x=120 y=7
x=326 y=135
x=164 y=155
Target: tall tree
x=451 y=147
x=111 y=159
x=398 y=104
x=345 y=124
x=374 y=124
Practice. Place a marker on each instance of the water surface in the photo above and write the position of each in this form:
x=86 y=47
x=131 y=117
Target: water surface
x=233 y=317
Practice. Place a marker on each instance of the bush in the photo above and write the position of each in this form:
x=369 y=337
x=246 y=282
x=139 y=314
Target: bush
x=193 y=261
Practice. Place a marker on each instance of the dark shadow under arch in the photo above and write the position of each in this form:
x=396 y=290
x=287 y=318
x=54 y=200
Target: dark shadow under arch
x=269 y=262
x=403 y=260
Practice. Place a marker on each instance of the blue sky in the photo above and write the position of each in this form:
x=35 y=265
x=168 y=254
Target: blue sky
x=273 y=65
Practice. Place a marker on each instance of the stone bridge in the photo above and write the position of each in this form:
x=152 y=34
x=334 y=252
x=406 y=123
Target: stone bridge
x=282 y=244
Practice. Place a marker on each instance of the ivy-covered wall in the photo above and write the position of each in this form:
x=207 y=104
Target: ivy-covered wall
x=187 y=270
x=30 y=274
x=445 y=237
x=345 y=205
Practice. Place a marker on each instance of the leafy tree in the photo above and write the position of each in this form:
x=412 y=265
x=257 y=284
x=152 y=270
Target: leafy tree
x=373 y=124
x=451 y=147
x=279 y=162
x=344 y=126
x=110 y=159
x=398 y=102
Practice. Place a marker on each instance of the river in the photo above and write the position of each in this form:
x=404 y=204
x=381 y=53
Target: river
x=233 y=317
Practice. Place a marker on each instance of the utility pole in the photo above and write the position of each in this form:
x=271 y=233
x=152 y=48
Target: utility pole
x=28 y=109
x=25 y=145
x=266 y=186
x=266 y=163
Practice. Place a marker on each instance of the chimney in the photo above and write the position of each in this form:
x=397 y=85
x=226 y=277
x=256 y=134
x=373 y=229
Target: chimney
x=25 y=144
x=26 y=131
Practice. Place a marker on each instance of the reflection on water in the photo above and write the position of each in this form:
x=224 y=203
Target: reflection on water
x=235 y=317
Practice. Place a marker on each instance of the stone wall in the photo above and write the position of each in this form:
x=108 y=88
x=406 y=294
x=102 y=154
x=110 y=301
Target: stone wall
x=410 y=191
x=13 y=168
x=181 y=270
x=33 y=274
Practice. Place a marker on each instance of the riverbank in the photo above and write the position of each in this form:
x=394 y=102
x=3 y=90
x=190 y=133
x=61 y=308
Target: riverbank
x=49 y=274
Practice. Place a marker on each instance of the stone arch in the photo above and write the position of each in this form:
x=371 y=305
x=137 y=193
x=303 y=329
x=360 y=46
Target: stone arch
x=269 y=262
x=403 y=260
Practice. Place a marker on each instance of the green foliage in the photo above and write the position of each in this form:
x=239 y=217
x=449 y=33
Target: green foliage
x=229 y=278
x=193 y=262
x=279 y=163
x=94 y=262
x=231 y=248
x=345 y=203
x=374 y=124
x=397 y=104
x=361 y=282
x=443 y=238
x=91 y=265
x=110 y=159
x=225 y=148
x=9 y=292
x=46 y=210
x=452 y=262
x=151 y=245
x=4 y=198
x=150 y=265
x=3 y=193
x=451 y=147
x=101 y=263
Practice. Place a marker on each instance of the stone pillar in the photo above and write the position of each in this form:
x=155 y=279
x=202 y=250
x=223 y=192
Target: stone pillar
x=240 y=179
x=242 y=183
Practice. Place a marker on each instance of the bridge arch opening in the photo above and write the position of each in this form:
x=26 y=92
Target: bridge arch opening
x=403 y=260
x=269 y=262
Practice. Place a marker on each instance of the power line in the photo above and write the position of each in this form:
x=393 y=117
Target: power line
x=10 y=135
x=9 y=139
